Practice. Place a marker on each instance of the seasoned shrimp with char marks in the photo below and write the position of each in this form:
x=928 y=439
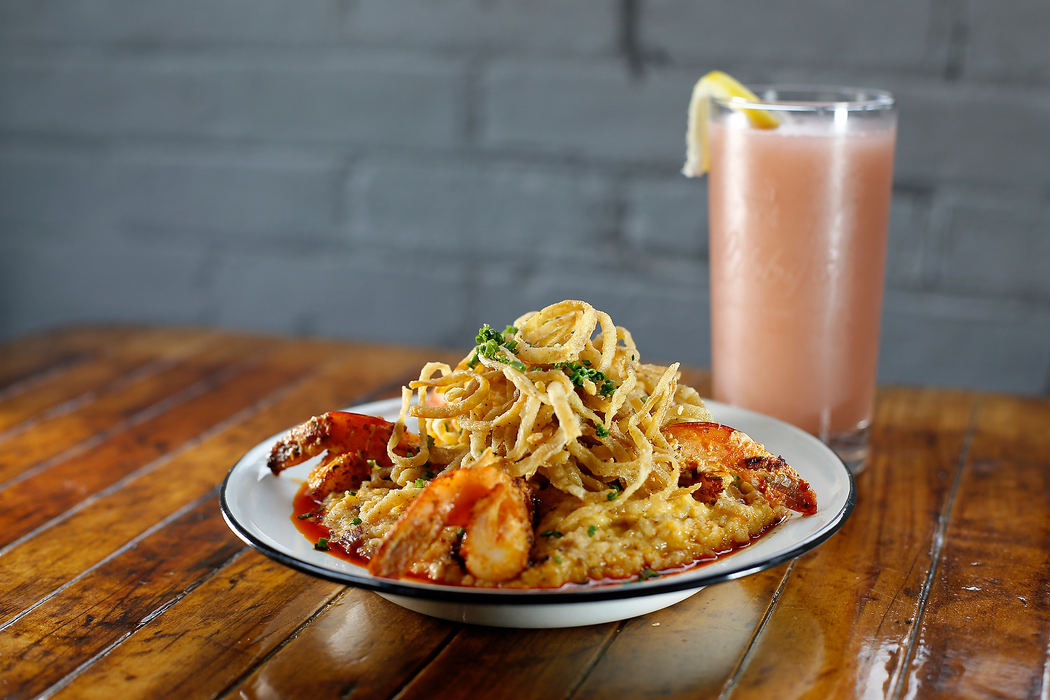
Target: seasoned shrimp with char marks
x=492 y=508
x=352 y=442
x=708 y=450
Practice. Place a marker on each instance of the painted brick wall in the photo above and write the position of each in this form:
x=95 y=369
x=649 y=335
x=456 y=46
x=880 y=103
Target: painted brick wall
x=405 y=170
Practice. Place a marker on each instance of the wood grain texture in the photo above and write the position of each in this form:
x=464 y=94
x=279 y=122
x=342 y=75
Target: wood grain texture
x=77 y=539
x=119 y=406
x=488 y=662
x=118 y=576
x=344 y=649
x=985 y=630
x=59 y=390
x=48 y=492
x=858 y=595
x=101 y=607
x=29 y=359
x=688 y=650
x=213 y=632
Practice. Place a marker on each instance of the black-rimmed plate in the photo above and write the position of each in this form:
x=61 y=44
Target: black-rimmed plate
x=258 y=508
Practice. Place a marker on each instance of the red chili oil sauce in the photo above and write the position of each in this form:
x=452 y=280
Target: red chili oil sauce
x=306 y=515
x=307 y=512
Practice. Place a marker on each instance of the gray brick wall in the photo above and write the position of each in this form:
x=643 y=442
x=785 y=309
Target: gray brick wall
x=304 y=167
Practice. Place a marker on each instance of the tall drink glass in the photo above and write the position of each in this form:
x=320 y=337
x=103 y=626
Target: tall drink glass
x=798 y=226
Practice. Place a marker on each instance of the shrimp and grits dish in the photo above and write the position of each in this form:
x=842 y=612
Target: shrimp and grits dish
x=549 y=456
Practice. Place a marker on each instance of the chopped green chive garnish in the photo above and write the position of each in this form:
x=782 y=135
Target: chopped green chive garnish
x=613 y=495
x=647 y=574
x=591 y=530
x=600 y=431
x=356 y=521
x=578 y=374
x=322 y=544
x=551 y=533
x=420 y=483
x=489 y=344
x=303 y=516
x=557 y=559
x=372 y=463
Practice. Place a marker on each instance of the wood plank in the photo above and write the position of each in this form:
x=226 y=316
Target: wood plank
x=98 y=609
x=268 y=603
x=82 y=538
x=223 y=626
x=23 y=359
x=82 y=380
x=488 y=662
x=856 y=597
x=688 y=650
x=120 y=406
x=29 y=503
x=344 y=648
x=986 y=628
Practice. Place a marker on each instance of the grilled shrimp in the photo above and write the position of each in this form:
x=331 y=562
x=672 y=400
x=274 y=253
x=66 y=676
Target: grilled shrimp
x=351 y=441
x=493 y=510
x=707 y=449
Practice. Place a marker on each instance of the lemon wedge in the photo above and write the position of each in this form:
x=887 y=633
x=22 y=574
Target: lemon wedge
x=724 y=87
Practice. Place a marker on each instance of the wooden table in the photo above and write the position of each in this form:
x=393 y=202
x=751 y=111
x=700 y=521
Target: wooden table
x=119 y=578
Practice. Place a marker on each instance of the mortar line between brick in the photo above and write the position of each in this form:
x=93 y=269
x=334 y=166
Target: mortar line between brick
x=629 y=43
x=472 y=102
x=958 y=34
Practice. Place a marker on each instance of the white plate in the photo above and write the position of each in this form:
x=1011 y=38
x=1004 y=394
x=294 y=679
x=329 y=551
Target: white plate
x=258 y=507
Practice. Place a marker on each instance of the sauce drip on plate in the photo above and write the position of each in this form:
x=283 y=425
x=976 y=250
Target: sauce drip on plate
x=307 y=513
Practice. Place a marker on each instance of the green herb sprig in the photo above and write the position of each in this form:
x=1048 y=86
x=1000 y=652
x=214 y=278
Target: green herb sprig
x=580 y=373
x=491 y=345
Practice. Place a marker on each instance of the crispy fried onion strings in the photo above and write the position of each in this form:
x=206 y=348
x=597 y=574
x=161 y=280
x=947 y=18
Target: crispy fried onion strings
x=564 y=396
